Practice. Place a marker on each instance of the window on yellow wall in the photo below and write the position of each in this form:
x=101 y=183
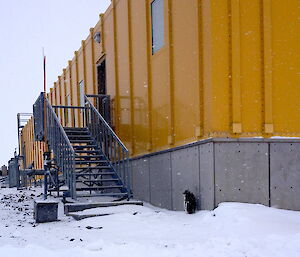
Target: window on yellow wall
x=158 y=30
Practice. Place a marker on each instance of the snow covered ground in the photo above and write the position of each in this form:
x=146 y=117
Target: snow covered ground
x=232 y=230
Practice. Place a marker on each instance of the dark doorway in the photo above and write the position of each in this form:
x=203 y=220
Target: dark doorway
x=103 y=100
x=101 y=75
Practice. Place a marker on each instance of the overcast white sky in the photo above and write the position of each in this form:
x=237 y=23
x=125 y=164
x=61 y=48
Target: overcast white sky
x=26 y=27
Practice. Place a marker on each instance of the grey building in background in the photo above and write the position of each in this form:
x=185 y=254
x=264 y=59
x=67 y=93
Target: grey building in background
x=3 y=171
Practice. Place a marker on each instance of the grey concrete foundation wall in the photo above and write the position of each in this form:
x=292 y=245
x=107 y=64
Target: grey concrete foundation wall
x=242 y=172
x=285 y=175
x=221 y=170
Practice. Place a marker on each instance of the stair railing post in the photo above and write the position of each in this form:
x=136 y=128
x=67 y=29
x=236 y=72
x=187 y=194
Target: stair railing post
x=129 y=175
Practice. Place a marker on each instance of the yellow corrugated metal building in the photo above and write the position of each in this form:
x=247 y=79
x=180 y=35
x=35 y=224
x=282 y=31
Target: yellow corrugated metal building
x=180 y=71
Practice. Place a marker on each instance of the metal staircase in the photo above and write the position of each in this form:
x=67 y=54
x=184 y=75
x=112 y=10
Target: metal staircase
x=91 y=158
x=95 y=175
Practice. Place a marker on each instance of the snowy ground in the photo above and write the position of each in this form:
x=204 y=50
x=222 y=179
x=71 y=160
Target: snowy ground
x=232 y=230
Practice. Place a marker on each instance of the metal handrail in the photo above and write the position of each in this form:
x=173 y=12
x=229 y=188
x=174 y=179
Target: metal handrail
x=102 y=104
x=110 y=144
x=104 y=121
x=62 y=148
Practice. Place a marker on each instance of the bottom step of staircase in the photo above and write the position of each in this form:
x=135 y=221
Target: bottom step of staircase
x=103 y=194
x=74 y=207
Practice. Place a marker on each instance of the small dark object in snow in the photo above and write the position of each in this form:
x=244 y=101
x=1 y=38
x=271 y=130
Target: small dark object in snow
x=190 y=203
x=80 y=239
x=89 y=227
x=72 y=239
x=135 y=213
x=45 y=211
x=32 y=195
x=214 y=215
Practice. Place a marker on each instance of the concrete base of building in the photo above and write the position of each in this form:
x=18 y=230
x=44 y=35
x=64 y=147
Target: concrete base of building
x=263 y=171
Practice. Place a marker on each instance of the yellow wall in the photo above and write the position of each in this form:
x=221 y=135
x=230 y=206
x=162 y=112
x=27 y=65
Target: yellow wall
x=228 y=68
x=30 y=149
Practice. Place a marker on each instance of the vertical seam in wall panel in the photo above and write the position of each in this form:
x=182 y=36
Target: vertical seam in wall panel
x=71 y=91
x=207 y=64
x=65 y=95
x=132 y=120
x=149 y=71
x=93 y=62
x=200 y=68
x=269 y=166
x=77 y=86
x=229 y=32
x=214 y=172
x=54 y=97
x=117 y=97
x=236 y=65
x=262 y=66
x=199 y=171
x=268 y=64
x=149 y=167
x=60 y=110
x=171 y=176
x=171 y=73
x=102 y=33
x=84 y=66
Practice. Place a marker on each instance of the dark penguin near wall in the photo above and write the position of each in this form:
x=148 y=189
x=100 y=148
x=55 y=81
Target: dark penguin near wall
x=190 y=203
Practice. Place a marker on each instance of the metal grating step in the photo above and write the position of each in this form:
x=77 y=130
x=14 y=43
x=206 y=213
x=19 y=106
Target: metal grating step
x=95 y=174
x=85 y=169
x=98 y=188
x=89 y=156
x=84 y=146
x=79 y=136
x=104 y=194
x=76 y=132
x=76 y=129
x=79 y=162
x=81 y=141
x=88 y=151
x=100 y=180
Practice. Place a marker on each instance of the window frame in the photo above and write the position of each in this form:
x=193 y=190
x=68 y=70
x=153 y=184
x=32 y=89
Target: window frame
x=161 y=29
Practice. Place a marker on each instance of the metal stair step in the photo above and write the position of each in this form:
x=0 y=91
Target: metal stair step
x=104 y=194
x=84 y=146
x=92 y=168
x=90 y=161
x=99 y=188
x=81 y=141
x=79 y=136
x=95 y=174
x=99 y=180
x=75 y=128
x=75 y=131
x=87 y=151
x=89 y=156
